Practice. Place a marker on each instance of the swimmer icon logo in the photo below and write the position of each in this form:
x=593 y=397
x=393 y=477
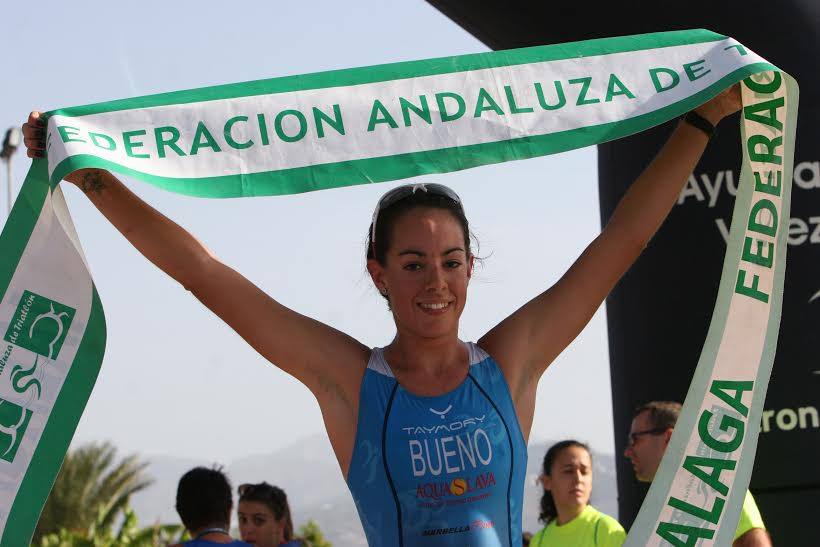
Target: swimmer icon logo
x=14 y=420
x=39 y=324
x=441 y=413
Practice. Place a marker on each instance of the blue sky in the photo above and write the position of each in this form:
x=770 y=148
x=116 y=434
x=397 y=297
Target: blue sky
x=175 y=380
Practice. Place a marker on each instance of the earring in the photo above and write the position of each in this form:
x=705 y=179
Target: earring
x=384 y=291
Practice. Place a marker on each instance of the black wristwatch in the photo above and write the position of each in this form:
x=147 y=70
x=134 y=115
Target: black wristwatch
x=696 y=120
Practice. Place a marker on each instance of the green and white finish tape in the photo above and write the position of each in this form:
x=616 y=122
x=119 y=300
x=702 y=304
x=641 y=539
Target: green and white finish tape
x=339 y=128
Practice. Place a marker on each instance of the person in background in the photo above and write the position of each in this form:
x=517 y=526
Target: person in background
x=204 y=503
x=570 y=519
x=264 y=516
x=649 y=435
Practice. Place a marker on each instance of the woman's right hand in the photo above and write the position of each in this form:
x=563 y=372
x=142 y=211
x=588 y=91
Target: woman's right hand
x=330 y=363
x=34 y=135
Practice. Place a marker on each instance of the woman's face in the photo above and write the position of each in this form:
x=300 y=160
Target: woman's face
x=571 y=479
x=258 y=525
x=426 y=272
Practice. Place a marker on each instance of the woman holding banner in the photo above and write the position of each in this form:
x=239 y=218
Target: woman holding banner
x=430 y=432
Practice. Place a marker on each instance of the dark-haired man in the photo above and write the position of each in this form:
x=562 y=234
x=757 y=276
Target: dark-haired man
x=204 y=504
x=649 y=435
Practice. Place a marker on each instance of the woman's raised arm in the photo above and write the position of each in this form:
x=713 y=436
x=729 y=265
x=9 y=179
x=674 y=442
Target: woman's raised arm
x=327 y=361
x=527 y=341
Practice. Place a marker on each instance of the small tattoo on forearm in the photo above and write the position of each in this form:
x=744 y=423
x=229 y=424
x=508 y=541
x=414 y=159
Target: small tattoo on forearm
x=92 y=182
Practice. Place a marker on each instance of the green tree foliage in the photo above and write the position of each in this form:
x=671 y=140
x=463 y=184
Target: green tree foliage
x=102 y=534
x=92 y=489
x=313 y=535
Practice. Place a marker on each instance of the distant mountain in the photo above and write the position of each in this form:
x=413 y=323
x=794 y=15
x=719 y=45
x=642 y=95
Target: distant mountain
x=308 y=472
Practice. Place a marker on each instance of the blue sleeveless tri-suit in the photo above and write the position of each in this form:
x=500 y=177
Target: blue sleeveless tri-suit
x=438 y=471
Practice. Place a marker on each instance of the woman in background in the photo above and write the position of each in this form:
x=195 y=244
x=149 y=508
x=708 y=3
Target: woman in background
x=264 y=516
x=565 y=509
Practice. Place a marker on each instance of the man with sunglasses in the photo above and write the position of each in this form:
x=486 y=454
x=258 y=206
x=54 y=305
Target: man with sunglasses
x=649 y=435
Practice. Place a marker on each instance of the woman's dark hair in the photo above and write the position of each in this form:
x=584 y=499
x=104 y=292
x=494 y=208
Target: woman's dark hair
x=548 y=509
x=274 y=499
x=387 y=219
x=204 y=498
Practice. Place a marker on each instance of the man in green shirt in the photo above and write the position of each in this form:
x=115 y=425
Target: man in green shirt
x=649 y=435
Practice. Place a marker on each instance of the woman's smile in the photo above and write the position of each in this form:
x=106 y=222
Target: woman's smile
x=435 y=308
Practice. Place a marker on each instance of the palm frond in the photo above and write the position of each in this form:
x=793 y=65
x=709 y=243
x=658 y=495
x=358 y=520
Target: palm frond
x=92 y=489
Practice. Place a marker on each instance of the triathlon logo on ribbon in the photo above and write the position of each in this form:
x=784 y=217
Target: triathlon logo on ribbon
x=39 y=324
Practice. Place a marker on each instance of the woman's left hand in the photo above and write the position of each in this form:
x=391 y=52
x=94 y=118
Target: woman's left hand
x=726 y=103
